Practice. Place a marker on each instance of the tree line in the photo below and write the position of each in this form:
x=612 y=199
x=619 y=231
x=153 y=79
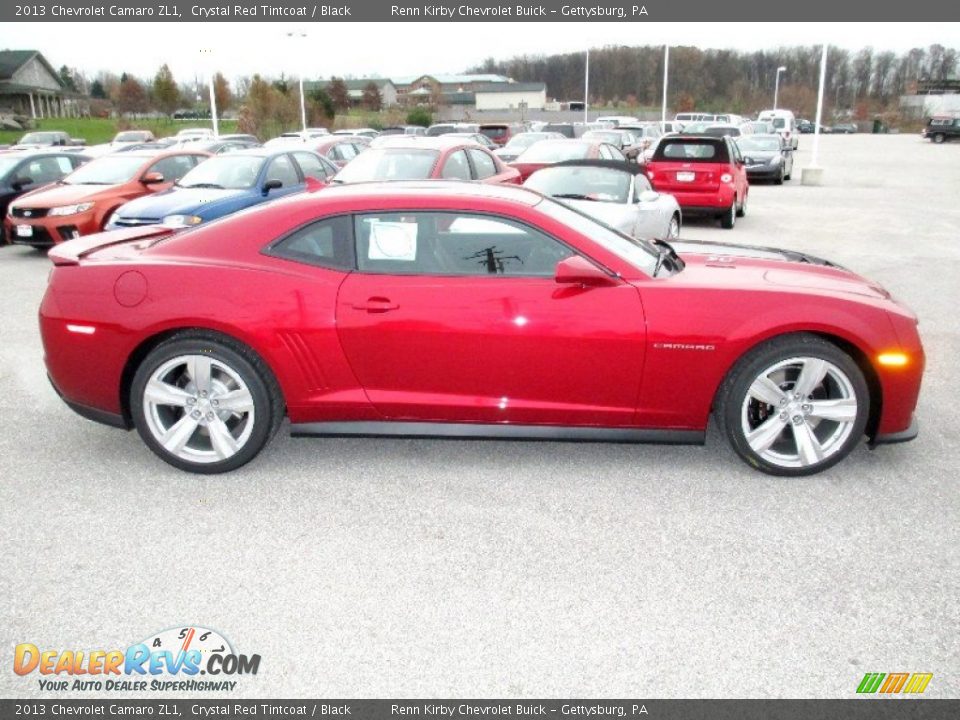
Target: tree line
x=731 y=80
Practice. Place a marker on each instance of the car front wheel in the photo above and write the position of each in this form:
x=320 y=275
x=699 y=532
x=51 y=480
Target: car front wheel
x=204 y=405
x=794 y=406
x=939 y=138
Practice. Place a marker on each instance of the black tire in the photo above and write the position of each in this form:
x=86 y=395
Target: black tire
x=267 y=398
x=732 y=396
x=780 y=178
x=939 y=138
x=742 y=208
x=729 y=217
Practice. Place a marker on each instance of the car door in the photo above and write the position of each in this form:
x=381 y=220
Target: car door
x=282 y=168
x=457 y=317
x=738 y=168
x=651 y=222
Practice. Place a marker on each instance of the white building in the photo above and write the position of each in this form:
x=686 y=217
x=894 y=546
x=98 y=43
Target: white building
x=511 y=96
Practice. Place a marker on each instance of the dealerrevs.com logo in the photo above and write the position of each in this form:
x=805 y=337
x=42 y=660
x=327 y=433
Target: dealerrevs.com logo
x=189 y=658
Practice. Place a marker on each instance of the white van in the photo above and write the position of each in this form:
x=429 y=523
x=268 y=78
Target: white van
x=785 y=124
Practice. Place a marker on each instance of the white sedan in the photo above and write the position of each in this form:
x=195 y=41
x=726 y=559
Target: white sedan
x=614 y=192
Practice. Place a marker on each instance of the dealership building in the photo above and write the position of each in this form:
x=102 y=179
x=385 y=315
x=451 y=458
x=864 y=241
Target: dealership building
x=30 y=86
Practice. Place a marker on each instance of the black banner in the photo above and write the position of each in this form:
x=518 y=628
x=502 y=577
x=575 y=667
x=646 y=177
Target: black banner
x=853 y=709
x=477 y=11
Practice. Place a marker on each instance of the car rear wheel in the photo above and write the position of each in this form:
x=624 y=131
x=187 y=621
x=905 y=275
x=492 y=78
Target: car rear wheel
x=939 y=138
x=780 y=177
x=204 y=405
x=794 y=406
x=742 y=210
x=729 y=217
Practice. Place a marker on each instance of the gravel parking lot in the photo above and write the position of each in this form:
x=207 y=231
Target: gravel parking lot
x=386 y=568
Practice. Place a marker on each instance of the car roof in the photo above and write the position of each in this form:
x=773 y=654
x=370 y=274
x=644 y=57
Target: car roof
x=628 y=167
x=427 y=142
x=420 y=189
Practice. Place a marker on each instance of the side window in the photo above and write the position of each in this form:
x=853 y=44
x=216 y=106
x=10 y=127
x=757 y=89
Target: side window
x=456 y=167
x=45 y=170
x=282 y=169
x=347 y=151
x=327 y=243
x=311 y=166
x=640 y=185
x=615 y=153
x=432 y=243
x=483 y=164
x=604 y=153
x=173 y=167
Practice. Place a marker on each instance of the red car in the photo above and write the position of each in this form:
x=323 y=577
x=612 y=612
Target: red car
x=705 y=174
x=457 y=309
x=341 y=149
x=83 y=201
x=402 y=157
x=547 y=152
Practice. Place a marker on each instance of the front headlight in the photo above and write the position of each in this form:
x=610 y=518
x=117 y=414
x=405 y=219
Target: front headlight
x=70 y=209
x=181 y=221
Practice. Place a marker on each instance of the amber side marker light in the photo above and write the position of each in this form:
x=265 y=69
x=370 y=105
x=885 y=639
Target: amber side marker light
x=892 y=359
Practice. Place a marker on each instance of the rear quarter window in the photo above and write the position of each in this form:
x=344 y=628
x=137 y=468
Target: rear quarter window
x=692 y=151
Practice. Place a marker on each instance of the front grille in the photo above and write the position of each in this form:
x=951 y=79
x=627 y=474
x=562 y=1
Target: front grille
x=19 y=212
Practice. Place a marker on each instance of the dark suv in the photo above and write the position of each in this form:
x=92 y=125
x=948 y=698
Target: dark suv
x=942 y=127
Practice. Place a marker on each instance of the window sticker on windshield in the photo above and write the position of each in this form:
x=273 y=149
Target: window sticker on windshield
x=393 y=241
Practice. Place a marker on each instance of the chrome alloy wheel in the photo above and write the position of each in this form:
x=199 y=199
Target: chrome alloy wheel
x=198 y=409
x=799 y=412
x=673 y=231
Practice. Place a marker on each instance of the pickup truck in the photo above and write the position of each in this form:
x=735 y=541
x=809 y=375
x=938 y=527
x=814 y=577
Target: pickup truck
x=942 y=127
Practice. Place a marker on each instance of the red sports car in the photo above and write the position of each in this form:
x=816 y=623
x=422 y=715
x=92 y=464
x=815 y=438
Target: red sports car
x=456 y=309
x=549 y=152
x=705 y=174
x=403 y=157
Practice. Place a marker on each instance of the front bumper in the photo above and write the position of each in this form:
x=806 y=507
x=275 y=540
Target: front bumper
x=897 y=437
x=763 y=172
x=48 y=231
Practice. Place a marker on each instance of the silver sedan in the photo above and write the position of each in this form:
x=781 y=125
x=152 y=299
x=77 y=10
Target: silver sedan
x=614 y=192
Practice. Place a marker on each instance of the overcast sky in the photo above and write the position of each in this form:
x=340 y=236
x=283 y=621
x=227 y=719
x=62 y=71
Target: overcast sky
x=402 y=48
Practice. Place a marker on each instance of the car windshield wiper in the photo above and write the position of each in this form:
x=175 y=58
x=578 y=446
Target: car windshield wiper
x=574 y=196
x=204 y=185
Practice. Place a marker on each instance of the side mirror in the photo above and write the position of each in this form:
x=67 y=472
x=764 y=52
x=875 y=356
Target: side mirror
x=649 y=196
x=576 y=270
x=272 y=184
x=152 y=178
x=19 y=183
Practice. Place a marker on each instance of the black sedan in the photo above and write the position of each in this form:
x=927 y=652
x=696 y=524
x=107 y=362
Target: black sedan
x=27 y=170
x=766 y=158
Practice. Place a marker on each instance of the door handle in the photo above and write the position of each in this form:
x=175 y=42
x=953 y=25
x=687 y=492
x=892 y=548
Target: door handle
x=376 y=305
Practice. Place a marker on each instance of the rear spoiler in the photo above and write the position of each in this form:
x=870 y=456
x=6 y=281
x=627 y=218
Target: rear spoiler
x=72 y=251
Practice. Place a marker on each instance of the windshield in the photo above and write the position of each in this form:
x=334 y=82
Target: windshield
x=525 y=140
x=638 y=253
x=690 y=150
x=557 y=151
x=779 y=123
x=755 y=144
x=582 y=183
x=231 y=172
x=130 y=137
x=109 y=170
x=38 y=138
x=494 y=131
x=390 y=164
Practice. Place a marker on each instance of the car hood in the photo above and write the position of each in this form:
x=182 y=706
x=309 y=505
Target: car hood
x=63 y=194
x=765 y=267
x=180 y=201
x=617 y=215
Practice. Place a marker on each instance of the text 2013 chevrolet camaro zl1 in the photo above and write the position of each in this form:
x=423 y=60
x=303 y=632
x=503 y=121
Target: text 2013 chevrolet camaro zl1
x=453 y=309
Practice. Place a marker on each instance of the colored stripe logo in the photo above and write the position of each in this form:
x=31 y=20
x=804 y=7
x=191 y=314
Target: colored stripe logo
x=894 y=683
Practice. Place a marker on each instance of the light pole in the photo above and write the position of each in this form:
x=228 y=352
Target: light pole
x=666 y=66
x=213 y=95
x=586 y=90
x=813 y=173
x=303 y=104
x=776 y=86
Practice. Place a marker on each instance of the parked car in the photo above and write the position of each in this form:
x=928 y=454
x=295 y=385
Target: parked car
x=941 y=128
x=428 y=158
x=614 y=192
x=805 y=127
x=646 y=134
x=698 y=127
x=617 y=120
x=706 y=176
x=368 y=133
x=222 y=145
x=691 y=117
x=733 y=131
x=46 y=138
x=765 y=157
x=191 y=134
x=501 y=133
x=403 y=130
x=625 y=141
x=341 y=149
x=21 y=172
x=226 y=184
x=469 y=311
x=252 y=140
x=83 y=201
x=670 y=126
x=548 y=152
x=302 y=136
x=478 y=138
x=520 y=142
x=446 y=128
x=785 y=124
x=132 y=137
x=844 y=129
x=568 y=130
